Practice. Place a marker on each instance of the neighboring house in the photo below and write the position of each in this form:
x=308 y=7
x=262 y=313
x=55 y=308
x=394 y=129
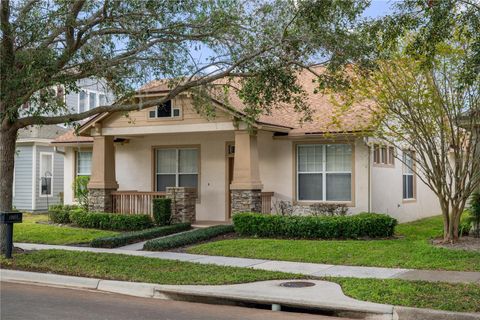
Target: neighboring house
x=233 y=168
x=38 y=175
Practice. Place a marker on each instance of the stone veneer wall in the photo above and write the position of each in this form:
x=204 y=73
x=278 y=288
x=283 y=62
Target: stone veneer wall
x=100 y=200
x=183 y=203
x=246 y=200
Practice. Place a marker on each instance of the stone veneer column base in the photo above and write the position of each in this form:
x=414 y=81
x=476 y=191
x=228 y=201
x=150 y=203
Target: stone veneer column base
x=184 y=201
x=100 y=200
x=246 y=201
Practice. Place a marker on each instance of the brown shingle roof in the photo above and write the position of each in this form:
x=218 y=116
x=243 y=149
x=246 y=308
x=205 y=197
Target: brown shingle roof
x=71 y=137
x=327 y=117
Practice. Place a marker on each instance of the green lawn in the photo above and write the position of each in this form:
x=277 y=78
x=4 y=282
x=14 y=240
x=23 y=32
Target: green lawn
x=454 y=297
x=31 y=231
x=411 y=250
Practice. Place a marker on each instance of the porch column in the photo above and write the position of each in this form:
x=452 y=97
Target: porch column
x=246 y=187
x=102 y=181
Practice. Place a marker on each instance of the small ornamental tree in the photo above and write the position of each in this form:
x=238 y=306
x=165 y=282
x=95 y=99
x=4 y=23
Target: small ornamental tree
x=430 y=110
x=80 y=190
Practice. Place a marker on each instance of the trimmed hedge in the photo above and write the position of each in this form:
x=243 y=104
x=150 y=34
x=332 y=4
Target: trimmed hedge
x=310 y=227
x=60 y=213
x=162 y=211
x=110 y=221
x=187 y=238
x=131 y=237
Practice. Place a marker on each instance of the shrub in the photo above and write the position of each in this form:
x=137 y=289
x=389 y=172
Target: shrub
x=328 y=209
x=59 y=213
x=131 y=237
x=162 y=211
x=110 y=221
x=474 y=214
x=80 y=190
x=187 y=238
x=311 y=227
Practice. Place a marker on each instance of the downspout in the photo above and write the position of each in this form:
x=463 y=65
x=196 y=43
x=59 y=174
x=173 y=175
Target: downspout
x=59 y=151
x=365 y=140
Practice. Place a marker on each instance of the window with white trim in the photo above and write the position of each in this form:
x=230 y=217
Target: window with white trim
x=84 y=163
x=46 y=174
x=176 y=167
x=383 y=155
x=408 y=175
x=166 y=110
x=89 y=99
x=324 y=172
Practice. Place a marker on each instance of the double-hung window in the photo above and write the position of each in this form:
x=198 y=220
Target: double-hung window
x=408 y=175
x=84 y=163
x=324 y=172
x=88 y=99
x=176 y=167
x=46 y=174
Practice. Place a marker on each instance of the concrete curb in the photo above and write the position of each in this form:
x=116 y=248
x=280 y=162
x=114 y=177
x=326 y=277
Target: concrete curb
x=149 y=290
x=406 y=313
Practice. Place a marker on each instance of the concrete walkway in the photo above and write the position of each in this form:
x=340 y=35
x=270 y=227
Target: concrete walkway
x=309 y=269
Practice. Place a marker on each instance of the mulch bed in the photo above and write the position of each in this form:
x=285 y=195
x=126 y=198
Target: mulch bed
x=464 y=243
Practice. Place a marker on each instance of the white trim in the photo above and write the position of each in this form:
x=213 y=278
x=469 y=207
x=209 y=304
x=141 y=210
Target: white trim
x=177 y=128
x=34 y=177
x=51 y=154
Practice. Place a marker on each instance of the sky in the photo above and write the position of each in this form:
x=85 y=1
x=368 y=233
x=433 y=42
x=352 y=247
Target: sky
x=379 y=8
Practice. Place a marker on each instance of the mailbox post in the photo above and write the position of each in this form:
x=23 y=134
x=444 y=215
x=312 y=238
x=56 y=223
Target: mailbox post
x=8 y=219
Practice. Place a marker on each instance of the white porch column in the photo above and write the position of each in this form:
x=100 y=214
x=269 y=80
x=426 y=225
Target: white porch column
x=246 y=186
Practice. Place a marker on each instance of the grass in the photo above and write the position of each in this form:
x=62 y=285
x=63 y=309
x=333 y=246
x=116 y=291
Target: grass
x=32 y=232
x=411 y=250
x=417 y=294
x=453 y=297
x=134 y=268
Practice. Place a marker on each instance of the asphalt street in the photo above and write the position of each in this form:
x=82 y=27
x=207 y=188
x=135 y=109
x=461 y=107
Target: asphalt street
x=25 y=301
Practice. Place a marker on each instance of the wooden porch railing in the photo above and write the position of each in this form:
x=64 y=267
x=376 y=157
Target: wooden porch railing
x=267 y=202
x=139 y=202
x=134 y=202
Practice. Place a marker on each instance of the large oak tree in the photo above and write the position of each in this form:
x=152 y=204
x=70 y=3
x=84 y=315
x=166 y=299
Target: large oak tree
x=45 y=43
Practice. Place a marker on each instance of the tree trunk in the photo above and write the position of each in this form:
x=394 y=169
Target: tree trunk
x=446 y=219
x=8 y=138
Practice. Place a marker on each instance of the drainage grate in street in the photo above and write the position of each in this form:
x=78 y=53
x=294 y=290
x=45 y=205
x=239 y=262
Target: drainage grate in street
x=297 y=284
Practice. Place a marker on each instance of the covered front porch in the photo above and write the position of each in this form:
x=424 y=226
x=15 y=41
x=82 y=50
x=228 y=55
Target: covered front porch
x=222 y=166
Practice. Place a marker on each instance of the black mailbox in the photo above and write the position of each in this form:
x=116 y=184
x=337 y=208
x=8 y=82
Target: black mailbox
x=10 y=217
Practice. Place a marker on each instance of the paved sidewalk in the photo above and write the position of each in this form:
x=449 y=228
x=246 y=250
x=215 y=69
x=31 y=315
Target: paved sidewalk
x=310 y=269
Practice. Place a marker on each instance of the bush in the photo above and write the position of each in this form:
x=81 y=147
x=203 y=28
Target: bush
x=80 y=190
x=110 y=221
x=59 y=213
x=187 y=238
x=162 y=211
x=310 y=227
x=474 y=214
x=135 y=236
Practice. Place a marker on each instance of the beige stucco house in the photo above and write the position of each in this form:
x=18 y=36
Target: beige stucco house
x=234 y=167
